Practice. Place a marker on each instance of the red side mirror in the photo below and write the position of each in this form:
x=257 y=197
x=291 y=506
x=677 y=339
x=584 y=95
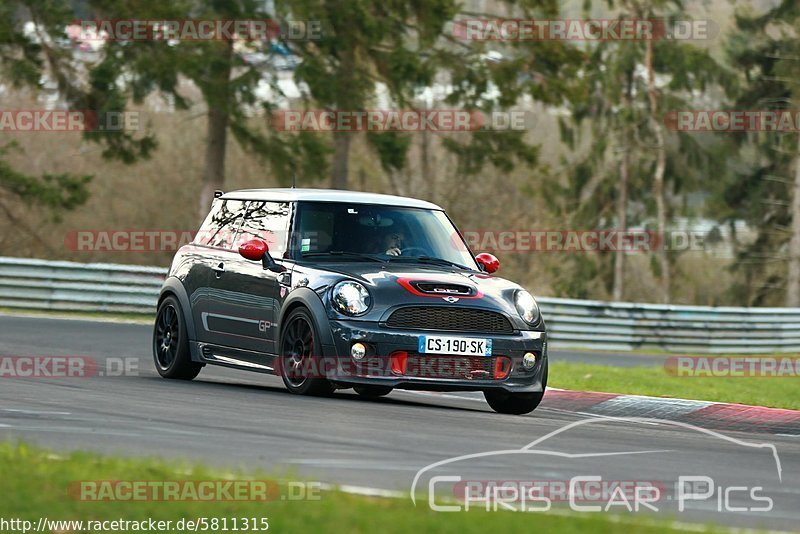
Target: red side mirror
x=253 y=250
x=488 y=261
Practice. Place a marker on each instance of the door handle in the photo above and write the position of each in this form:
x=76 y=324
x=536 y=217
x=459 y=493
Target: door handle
x=219 y=269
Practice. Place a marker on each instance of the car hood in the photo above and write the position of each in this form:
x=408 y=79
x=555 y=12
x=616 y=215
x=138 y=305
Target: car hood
x=392 y=285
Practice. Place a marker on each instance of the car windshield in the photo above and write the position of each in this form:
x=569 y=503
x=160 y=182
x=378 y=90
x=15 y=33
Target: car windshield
x=329 y=231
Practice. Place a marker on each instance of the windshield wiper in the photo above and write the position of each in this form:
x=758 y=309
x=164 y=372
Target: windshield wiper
x=342 y=253
x=430 y=259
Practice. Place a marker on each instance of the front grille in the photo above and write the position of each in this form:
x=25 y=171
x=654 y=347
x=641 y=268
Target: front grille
x=449 y=319
x=460 y=367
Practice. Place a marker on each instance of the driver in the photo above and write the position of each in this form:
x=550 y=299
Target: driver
x=392 y=243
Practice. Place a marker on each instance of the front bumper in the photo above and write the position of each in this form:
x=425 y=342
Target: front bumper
x=382 y=341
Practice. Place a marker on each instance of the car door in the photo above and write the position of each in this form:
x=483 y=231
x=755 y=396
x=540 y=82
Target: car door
x=243 y=311
x=210 y=250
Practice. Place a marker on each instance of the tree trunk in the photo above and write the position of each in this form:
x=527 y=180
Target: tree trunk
x=622 y=221
x=341 y=158
x=425 y=164
x=214 y=172
x=345 y=99
x=793 y=276
x=217 y=98
x=396 y=182
x=658 y=175
x=661 y=216
x=618 y=287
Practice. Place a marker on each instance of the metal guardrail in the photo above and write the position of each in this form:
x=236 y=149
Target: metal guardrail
x=105 y=287
x=69 y=286
x=703 y=329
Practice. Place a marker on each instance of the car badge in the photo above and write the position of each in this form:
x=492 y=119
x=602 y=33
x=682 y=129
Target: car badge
x=444 y=290
x=450 y=299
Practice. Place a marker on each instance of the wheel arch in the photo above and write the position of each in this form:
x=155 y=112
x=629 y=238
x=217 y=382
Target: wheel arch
x=173 y=286
x=306 y=298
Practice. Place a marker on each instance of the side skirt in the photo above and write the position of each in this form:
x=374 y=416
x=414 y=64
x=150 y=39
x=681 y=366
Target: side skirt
x=246 y=360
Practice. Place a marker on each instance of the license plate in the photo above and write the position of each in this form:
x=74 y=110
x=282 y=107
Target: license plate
x=463 y=346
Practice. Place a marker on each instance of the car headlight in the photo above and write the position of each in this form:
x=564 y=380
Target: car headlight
x=350 y=298
x=527 y=307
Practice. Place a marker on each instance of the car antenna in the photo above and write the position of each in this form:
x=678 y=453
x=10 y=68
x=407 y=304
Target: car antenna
x=294 y=179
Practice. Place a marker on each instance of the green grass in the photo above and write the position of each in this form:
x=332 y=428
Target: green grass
x=654 y=351
x=778 y=392
x=34 y=484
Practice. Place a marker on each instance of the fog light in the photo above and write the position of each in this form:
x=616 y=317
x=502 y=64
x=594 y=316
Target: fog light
x=358 y=351
x=529 y=360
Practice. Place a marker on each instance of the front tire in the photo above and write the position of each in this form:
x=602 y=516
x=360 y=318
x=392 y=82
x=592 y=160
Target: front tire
x=516 y=403
x=513 y=403
x=171 y=343
x=300 y=355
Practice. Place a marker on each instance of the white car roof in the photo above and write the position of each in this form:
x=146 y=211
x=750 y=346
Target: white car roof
x=328 y=195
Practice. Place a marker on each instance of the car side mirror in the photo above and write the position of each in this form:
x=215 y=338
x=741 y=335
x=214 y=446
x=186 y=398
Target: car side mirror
x=488 y=262
x=257 y=250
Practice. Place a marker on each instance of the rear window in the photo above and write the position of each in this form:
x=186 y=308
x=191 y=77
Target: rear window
x=221 y=224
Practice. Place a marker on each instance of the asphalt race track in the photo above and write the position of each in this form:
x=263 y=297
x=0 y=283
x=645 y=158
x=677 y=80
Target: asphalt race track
x=235 y=419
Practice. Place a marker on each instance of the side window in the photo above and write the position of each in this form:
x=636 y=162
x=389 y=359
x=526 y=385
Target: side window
x=221 y=224
x=269 y=222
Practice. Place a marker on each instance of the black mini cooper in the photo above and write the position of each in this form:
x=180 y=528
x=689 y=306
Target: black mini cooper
x=336 y=289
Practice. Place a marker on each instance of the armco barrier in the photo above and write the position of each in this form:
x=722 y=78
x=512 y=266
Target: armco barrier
x=685 y=329
x=68 y=286
x=103 y=287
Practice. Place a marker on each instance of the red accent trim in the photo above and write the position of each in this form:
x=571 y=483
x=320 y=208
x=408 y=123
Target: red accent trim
x=502 y=366
x=398 y=361
x=406 y=283
x=742 y=413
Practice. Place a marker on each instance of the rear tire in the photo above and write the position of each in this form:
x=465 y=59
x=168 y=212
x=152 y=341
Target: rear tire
x=372 y=392
x=171 y=344
x=301 y=355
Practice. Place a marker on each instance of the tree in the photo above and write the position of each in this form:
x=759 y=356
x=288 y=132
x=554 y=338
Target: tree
x=366 y=43
x=50 y=192
x=406 y=47
x=764 y=189
x=23 y=61
x=130 y=70
x=690 y=71
x=630 y=86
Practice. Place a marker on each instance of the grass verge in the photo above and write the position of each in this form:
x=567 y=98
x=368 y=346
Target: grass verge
x=35 y=484
x=777 y=392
